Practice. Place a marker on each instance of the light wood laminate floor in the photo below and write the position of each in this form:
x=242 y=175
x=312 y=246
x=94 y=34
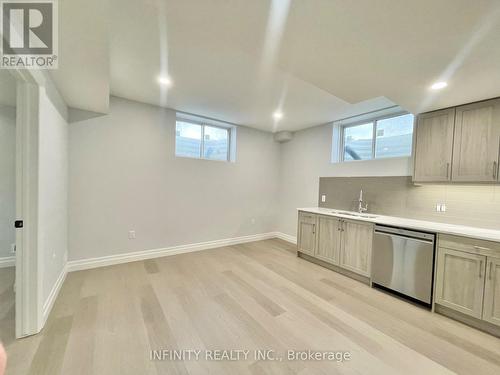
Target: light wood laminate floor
x=251 y=296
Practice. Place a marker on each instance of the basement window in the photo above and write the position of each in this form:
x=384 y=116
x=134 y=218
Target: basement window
x=378 y=138
x=199 y=140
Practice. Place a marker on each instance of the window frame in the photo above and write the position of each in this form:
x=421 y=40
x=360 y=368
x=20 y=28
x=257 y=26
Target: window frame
x=203 y=124
x=373 y=121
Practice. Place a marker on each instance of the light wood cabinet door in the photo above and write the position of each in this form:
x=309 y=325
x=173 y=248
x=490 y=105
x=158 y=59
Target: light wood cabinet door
x=306 y=233
x=491 y=306
x=356 y=249
x=329 y=235
x=477 y=142
x=460 y=281
x=434 y=146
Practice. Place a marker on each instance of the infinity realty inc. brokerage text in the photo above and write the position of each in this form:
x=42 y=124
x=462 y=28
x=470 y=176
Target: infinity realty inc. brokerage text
x=245 y=354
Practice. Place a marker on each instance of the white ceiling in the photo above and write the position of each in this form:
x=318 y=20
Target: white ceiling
x=327 y=58
x=83 y=73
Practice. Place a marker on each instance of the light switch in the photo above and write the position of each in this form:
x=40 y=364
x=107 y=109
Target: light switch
x=131 y=234
x=323 y=198
x=443 y=207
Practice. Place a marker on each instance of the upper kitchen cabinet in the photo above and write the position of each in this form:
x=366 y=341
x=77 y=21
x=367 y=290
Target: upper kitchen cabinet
x=434 y=146
x=477 y=142
x=460 y=144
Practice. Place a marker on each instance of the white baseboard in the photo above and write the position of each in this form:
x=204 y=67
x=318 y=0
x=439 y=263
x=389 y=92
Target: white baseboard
x=84 y=264
x=286 y=237
x=49 y=303
x=7 y=262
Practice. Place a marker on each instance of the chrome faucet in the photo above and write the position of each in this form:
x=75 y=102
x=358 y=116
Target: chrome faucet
x=362 y=209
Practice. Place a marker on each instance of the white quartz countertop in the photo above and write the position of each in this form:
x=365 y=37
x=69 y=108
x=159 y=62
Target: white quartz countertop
x=428 y=226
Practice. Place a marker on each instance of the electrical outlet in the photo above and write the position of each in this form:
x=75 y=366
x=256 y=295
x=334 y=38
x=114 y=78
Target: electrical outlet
x=323 y=198
x=131 y=234
x=441 y=207
x=13 y=248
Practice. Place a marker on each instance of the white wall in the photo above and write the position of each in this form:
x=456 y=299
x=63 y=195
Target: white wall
x=124 y=176
x=306 y=158
x=52 y=189
x=7 y=179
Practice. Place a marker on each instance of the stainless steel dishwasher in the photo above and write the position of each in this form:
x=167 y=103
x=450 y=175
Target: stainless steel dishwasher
x=403 y=261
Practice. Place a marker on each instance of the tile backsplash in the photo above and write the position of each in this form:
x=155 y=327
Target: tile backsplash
x=474 y=205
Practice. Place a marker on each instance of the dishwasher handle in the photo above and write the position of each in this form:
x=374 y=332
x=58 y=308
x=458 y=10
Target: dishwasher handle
x=413 y=238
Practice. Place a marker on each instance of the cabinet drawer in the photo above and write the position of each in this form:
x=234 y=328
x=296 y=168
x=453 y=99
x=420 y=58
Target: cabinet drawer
x=469 y=245
x=306 y=217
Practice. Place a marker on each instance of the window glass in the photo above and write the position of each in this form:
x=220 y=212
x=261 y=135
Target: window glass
x=358 y=142
x=394 y=136
x=216 y=143
x=201 y=141
x=187 y=139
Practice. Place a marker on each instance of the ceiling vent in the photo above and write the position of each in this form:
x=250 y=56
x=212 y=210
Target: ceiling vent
x=283 y=136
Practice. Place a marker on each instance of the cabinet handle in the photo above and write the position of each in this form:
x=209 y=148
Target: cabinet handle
x=448 y=171
x=491 y=271
x=314 y=228
x=342 y=225
x=480 y=268
x=495 y=170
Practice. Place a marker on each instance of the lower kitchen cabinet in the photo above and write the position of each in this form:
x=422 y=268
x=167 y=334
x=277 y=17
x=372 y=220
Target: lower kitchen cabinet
x=306 y=233
x=491 y=311
x=344 y=243
x=468 y=277
x=355 y=253
x=460 y=281
x=329 y=239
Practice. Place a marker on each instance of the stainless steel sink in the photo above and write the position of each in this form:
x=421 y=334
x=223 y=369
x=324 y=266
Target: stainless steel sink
x=355 y=214
x=368 y=216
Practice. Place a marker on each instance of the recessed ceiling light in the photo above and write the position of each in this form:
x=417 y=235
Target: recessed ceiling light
x=278 y=115
x=166 y=81
x=439 y=85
